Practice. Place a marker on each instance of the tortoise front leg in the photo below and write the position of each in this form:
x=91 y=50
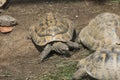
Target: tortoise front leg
x=45 y=52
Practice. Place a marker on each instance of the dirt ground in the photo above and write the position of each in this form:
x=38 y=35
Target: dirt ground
x=19 y=57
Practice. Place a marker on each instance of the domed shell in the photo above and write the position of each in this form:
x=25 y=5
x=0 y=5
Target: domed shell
x=2 y=2
x=52 y=28
x=105 y=64
x=102 y=31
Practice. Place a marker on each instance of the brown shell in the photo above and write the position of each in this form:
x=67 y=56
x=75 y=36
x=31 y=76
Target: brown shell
x=51 y=29
x=102 y=31
x=2 y=2
x=105 y=64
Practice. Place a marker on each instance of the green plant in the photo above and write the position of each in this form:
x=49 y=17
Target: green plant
x=64 y=72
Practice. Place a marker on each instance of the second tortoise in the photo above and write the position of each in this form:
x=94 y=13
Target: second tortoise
x=102 y=65
x=102 y=31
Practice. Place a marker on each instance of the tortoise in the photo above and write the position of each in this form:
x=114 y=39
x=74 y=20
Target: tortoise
x=3 y=4
x=54 y=33
x=103 y=64
x=7 y=23
x=101 y=31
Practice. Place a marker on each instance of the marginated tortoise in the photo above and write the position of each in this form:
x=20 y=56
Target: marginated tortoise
x=54 y=33
x=102 y=65
x=102 y=31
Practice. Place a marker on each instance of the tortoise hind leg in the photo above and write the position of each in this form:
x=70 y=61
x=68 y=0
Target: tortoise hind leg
x=78 y=74
x=45 y=52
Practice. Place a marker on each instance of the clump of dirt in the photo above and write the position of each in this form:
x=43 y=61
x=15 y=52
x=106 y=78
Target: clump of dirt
x=19 y=57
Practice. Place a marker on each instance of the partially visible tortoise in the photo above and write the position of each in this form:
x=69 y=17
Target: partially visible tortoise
x=3 y=3
x=102 y=31
x=7 y=23
x=54 y=33
x=102 y=65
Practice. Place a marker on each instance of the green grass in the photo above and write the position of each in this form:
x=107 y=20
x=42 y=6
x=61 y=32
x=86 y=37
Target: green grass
x=64 y=72
x=115 y=0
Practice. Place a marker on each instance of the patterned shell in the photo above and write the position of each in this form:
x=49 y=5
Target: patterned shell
x=52 y=28
x=102 y=31
x=104 y=64
x=2 y=2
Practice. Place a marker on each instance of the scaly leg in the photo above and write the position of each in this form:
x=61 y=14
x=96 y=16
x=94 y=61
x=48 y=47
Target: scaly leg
x=45 y=52
x=78 y=74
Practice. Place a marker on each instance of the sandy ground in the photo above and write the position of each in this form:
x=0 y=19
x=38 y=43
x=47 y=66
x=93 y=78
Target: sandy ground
x=19 y=57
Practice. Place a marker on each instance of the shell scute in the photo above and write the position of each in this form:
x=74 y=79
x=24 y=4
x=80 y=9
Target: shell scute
x=103 y=31
x=52 y=28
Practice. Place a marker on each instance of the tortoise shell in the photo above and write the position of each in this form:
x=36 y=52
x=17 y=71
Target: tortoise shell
x=104 y=64
x=102 y=31
x=52 y=28
x=2 y=2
